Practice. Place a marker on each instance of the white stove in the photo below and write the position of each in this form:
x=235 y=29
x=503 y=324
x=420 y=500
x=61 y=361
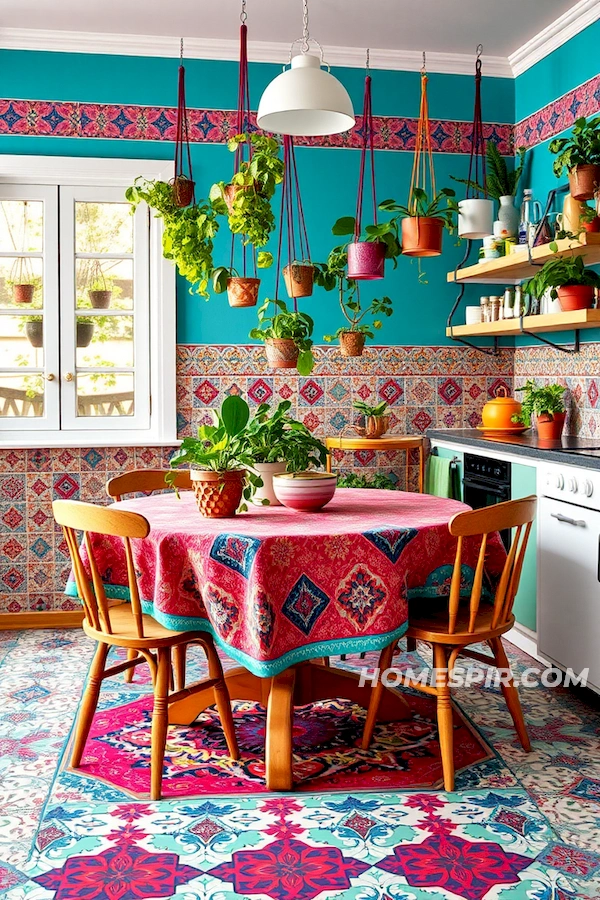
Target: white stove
x=569 y=568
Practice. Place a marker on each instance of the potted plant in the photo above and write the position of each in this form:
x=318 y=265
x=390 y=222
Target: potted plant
x=366 y=257
x=183 y=190
x=287 y=337
x=299 y=277
x=85 y=331
x=589 y=218
x=188 y=232
x=546 y=406
x=568 y=279
x=241 y=289
x=220 y=462
x=34 y=330
x=579 y=154
x=500 y=184
x=423 y=221
x=278 y=443
x=23 y=281
x=376 y=419
x=379 y=481
x=100 y=289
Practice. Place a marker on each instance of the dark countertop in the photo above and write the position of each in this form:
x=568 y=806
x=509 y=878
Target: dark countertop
x=571 y=451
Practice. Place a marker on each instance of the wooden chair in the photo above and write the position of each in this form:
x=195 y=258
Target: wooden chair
x=145 y=481
x=124 y=625
x=452 y=626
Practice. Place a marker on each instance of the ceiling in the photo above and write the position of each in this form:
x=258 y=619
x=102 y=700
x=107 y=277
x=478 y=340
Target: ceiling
x=442 y=26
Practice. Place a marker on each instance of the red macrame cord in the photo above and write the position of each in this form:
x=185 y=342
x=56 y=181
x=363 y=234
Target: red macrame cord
x=182 y=137
x=368 y=144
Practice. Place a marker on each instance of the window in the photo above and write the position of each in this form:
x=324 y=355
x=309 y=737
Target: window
x=87 y=308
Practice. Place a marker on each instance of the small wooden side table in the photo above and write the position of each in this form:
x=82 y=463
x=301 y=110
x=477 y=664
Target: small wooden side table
x=387 y=442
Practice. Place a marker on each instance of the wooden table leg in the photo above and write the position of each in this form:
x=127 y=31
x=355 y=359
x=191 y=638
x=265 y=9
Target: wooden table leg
x=241 y=684
x=278 y=742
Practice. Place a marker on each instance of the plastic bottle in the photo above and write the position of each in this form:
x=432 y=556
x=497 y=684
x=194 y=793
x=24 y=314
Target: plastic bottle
x=530 y=215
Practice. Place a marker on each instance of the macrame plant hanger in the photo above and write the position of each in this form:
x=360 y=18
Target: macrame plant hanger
x=366 y=258
x=183 y=183
x=476 y=214
x=298 y=273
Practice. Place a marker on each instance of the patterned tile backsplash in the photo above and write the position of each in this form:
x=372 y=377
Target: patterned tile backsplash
x=444 y=387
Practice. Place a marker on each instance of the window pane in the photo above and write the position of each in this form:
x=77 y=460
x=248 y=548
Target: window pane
x=21 y=282
x=104 y=283
x=104 y=394
x=21 y=395
x=21 y=224
x=104 y=341
x=103 y=228
x=21 y=341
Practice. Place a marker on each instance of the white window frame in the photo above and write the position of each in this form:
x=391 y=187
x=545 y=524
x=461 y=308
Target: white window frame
x=114 y=431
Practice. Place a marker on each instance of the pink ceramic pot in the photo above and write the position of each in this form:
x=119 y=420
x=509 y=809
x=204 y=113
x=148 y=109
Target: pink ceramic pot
x=306 y=491
x=366 y=260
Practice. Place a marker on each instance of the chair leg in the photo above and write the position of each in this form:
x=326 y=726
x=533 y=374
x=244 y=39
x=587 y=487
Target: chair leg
x=160 y=719
x=89 y=703
x=222 y=699
x=179 y=654
x=131 y=654
x=385 y=661
x=511 y=694
x=444 y=716
x=411 y=645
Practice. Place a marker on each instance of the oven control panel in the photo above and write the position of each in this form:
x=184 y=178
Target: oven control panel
x=490 y=470
x=575 y=485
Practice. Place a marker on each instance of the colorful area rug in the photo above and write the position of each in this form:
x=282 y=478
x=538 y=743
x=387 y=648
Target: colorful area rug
x=327 y=754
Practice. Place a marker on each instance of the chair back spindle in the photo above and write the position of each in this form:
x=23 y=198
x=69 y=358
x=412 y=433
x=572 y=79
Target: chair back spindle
x=146 y=481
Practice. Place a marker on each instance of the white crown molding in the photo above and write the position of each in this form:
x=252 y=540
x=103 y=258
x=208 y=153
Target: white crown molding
x=258 y=51
x=559 y=32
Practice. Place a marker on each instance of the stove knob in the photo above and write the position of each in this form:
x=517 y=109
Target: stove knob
x=559 y=482
x=572 y=485
x=587 y=488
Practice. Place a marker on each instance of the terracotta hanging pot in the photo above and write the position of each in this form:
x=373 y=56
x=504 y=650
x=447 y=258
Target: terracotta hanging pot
x=242 y=291
x=550 y=427
x=575 y=296
x=352 y=343
x=584 y=182
x=35 y=333
x=100 y=299
x=218 y=494
x=282 y=353
x=183 y=190
x=298 y=279
x=366 y=260
x=422 y=236
x=230 y=192
x=23 y=293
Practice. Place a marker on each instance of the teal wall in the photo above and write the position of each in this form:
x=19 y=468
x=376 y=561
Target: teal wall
x=328 y=176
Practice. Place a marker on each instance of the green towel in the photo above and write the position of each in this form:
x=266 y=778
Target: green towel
x=442 y=478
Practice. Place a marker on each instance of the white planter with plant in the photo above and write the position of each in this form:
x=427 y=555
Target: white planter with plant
x=501 y=185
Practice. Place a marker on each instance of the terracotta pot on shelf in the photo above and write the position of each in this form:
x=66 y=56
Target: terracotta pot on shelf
x=299 y=279
x=183 y=190
x=374 y=426
x=592 y=227
x=352 y=343
x=550 y=427
x=422 y=236
x=23 y=293
x=584 y=182
x=498 y=413
x=218 y=494
x=100 y=299
x=242 y=291
x=575 y=296
x=366 y=260
x=282 y=353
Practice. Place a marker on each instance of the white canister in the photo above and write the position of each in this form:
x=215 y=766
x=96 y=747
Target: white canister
x=508 y=217
x=266 y=472
x=473 y=315
x=549 y=305
x=475 y=218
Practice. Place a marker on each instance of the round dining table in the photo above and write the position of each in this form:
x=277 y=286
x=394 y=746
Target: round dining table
x=281 y=591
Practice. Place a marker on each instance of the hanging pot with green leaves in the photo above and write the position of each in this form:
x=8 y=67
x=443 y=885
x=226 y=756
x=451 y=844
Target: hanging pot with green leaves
x=287 y=336
x=241 y=290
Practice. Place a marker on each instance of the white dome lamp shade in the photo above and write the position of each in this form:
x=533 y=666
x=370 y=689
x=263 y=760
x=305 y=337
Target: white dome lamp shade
x=305 y=99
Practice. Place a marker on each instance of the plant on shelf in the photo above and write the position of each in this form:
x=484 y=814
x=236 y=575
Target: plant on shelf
x=589 y=218
x=567 y=278
x=376 y=419
x=220 y=461
x=246 y=199
x=287 y=336
x=423 y=220
x=579 y=154
x=545 y=405
x=379 y=481
x=241 y=289
x=188 y=231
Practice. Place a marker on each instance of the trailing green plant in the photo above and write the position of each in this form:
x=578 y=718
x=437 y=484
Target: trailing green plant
x=274 y=436
x=222 y=446
x=539 y=401
x=500 y=181
x=562 y=271
x=188 y=233
x=378 y=481
x=375 y=412
x=222 y=274
x=420 y=205
x=384 y=232
x=588 y=213
x=255 y=181
x=287 y=325
x=581 y=148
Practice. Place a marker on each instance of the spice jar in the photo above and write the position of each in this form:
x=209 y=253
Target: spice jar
x=495 y=303
x=485 y=309
x=509 y=303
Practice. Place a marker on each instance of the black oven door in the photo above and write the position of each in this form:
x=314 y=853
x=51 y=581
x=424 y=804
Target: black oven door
x=479 y=494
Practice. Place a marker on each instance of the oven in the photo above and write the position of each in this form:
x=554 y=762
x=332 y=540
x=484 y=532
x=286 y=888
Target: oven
x=486 y=482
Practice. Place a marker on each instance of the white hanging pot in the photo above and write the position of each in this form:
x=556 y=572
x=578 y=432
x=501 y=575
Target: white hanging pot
x=475 y=218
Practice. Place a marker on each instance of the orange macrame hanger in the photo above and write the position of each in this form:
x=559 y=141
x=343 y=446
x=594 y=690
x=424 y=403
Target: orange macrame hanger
x=423 y=159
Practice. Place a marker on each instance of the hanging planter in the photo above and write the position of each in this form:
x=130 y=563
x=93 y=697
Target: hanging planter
x=182 y=185
x=366 y=260
x=85 y=333
x=242 y=291
x=282 y=353
x=183 y=190
x=422 y=236
x=476 y=215
x=23 y=293
x=100 y=290
x=475 y=218
x=298 y=278
x=352 y=343
x=100 y=299
x=21 y=274
x=34 y=331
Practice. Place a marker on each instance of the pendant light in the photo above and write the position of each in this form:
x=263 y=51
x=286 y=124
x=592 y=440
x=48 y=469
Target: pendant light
x=305 y=99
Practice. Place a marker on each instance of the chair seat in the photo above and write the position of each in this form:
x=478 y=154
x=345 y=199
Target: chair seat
x=428 y=621
x=155 y=635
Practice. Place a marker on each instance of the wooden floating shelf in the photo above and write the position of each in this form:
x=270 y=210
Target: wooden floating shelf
x=515 y=267
x=563 y=321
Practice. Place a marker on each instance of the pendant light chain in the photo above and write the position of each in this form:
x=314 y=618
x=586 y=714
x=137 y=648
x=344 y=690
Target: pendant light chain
x=305 y=32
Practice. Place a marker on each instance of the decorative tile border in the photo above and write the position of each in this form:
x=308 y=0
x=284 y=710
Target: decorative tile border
x=45 y=118
x=559 y=115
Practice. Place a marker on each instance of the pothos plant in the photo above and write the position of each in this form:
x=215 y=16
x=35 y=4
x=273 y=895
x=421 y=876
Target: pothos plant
x=222 y=274
x=581 y=148
x=286 y=324
x=246 y=199
x=275 y=436
x=188 y=233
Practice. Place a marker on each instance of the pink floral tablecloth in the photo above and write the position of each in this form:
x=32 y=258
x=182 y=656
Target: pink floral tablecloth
x=276 y=587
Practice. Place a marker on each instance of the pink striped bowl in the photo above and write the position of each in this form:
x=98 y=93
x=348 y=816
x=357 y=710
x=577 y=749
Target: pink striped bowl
x=306 y=491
